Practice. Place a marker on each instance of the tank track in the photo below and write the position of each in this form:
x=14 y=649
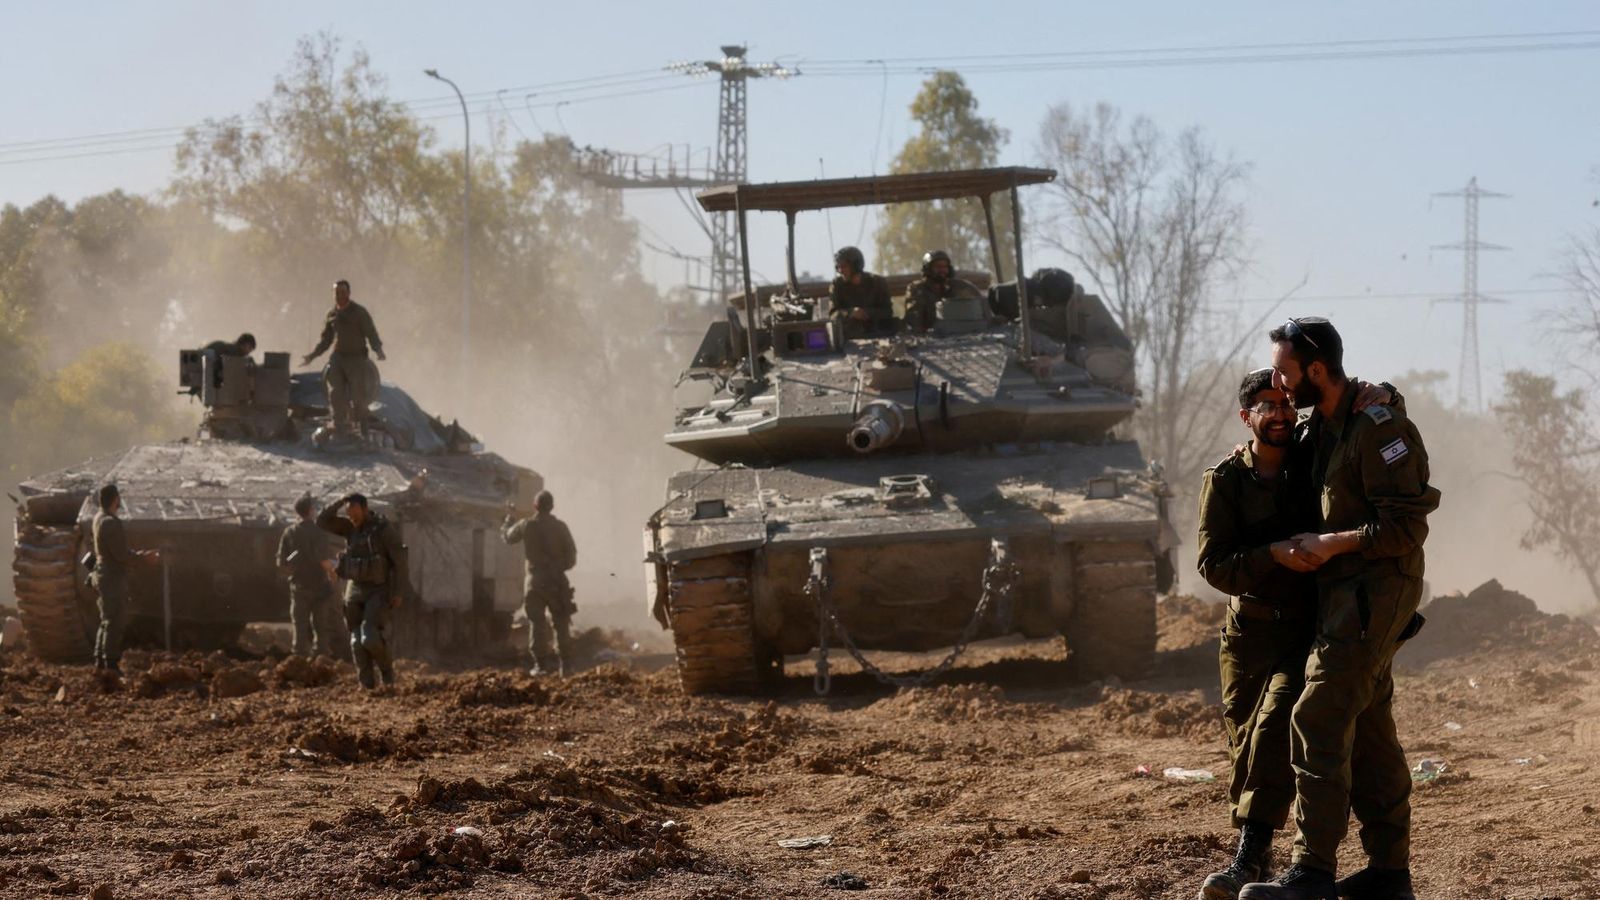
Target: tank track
x=1112 y=629
x=711 y=609
x=45 y=578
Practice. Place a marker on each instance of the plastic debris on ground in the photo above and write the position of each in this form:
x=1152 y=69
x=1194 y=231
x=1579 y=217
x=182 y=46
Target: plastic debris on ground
x=1142 y=772
x=806 y=843
x=1177 y=773
x=1452 y=726
x=1428 y=769
x=469 y=831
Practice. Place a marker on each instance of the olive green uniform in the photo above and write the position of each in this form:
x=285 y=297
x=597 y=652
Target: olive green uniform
x=301 y=549
x=112 y=560
x=548 y=554
x=872 y=295
x=1268 y=629
x=1370 y=471
x=350 y=377
x=922 y=299
x=374 y=566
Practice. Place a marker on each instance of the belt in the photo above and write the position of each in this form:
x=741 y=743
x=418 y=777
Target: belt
x=1251 y=608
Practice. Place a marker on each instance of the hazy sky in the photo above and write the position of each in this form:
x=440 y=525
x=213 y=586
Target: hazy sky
x=1345 y=153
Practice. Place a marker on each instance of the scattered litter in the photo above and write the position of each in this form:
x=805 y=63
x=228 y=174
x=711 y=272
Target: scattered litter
x=1474 y=683
x=1142 y=772
x=845 y=881
x=1428 y=769
x=302 y=753
x=551 y=754
x=469 y=831
x=61 y=694
x=1538 y=760
x=806 y=843
x=1195 y=775
x=1452 y=726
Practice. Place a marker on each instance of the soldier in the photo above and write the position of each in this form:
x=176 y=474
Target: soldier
x=1369 y=470
x=859 y=298
x=549 y=554
x=302 y=555
x=938 y=283
x=350 y=378
x=374 y=565
x=112 y=560
x=1248 y=512
x=244 y=345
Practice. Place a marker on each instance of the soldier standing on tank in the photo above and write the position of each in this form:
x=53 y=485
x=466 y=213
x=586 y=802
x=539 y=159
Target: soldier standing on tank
x=112 y=561
x=938 y=282
x=1369 y=470
x=549 y=554
x=350 y=377
x=375 y=568
x=859 y=298
x=1248 y=512
x=302 y=550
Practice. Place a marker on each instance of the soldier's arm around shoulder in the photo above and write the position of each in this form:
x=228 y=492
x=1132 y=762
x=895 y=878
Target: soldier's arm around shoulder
x=1394 y=477
x=1224 y=560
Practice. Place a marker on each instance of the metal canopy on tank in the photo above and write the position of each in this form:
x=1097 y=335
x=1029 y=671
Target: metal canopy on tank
x=794 y=196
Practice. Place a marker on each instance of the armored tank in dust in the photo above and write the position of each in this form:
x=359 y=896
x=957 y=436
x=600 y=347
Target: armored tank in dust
x=907 y=489
x=215 y=505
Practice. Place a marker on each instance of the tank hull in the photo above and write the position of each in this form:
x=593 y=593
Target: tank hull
x=1083 y=524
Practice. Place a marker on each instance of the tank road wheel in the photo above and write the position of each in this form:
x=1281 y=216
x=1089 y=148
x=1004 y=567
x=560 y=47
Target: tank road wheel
x=1112 y=629
x=711 y=608
x=46 y=583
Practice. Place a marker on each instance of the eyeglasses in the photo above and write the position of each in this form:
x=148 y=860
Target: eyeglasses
x=1292 y=329
x=1267 y=408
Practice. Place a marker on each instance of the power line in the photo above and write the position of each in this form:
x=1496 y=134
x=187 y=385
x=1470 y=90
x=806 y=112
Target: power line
x=567 y=86
x=1057 y=65
x=1218 y=48
x=170 y=144
x=1411 y=295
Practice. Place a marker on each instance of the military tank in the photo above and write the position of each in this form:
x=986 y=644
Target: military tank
x=906 y=491
x=216 y=503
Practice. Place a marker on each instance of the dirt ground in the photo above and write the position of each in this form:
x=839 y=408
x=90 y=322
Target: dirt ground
x=207 y=776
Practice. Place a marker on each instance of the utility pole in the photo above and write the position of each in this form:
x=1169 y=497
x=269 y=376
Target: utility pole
x=466 y=233
x=1469 y=383
x=732 y=146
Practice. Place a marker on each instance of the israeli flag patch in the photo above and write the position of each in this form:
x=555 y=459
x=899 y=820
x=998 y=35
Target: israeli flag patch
x=1394 y=451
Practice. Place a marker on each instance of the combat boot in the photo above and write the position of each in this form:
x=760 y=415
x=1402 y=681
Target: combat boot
x=388 y=676
x=1299 y=883
x=1252 y=862
x=1377 y=884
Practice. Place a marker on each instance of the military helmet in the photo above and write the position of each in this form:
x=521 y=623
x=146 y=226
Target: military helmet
x=933 y=256
x=852 y=257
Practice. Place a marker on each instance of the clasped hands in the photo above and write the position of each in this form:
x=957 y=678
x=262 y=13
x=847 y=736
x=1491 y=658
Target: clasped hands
x=1309 y=551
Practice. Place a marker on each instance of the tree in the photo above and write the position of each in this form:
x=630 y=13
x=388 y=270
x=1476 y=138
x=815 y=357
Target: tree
x=952 y=136
x=1154 y=226
x=1557 y=460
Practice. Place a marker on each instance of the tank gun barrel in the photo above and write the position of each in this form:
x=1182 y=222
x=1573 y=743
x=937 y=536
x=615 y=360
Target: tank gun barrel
x=878 y=426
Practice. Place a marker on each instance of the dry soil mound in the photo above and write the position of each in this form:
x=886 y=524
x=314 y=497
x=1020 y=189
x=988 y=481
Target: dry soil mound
x=1493 y=619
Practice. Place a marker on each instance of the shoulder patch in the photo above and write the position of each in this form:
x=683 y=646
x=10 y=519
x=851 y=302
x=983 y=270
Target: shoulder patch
x=1378 y=414
x=1394 y=451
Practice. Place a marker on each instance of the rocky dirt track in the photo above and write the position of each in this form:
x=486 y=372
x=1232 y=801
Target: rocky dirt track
x=210 y=777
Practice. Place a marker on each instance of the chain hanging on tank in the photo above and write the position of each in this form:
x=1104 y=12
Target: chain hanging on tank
x=999 y=580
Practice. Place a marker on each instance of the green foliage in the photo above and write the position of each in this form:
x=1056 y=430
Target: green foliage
x=1557 y=459
x=109 y=398
x=952 y=136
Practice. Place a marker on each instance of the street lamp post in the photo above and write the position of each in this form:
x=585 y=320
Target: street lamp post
x=466 y=229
